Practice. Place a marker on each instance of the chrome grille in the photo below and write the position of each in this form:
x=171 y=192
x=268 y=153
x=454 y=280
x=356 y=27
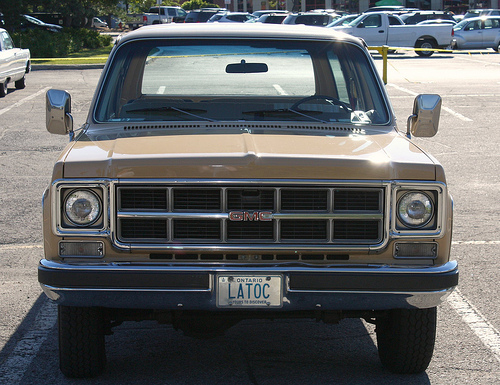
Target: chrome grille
x=233 y=217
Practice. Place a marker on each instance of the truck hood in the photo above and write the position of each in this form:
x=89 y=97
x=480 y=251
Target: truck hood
x=381 y=156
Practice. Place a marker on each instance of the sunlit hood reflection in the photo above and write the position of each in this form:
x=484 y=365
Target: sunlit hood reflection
x=245 y=155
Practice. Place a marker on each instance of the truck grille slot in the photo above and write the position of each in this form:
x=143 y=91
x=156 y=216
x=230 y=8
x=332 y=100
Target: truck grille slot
x=356 y=200
x=304 y=200
x=168 y=217
x=145 y=199
x=194 y=199
x=251 y=230
x=196 y=229
x=250 y=199
x=368 y=230
x=144 y=229
x=304 y=230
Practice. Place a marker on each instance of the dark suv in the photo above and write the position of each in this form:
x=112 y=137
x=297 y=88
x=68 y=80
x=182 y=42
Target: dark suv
x=201 y=15
x=311 y=18
x=417 y=17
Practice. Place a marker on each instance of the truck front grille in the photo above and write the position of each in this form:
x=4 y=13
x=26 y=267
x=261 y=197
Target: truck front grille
x=249 y=216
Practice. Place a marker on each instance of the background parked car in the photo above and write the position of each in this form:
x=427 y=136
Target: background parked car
x=437 y=21
x=417 y=17
x=311 y=18
x=231 y=17
x=99 y=23
x=201 y=15
x=344 y=20
x=14 y=63
x=481 y=12
x=266 y=11
x=271 y=18
x=477 y=33
x=31 y=22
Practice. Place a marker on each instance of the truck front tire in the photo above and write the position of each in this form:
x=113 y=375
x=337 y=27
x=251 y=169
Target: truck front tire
x=81 y=341
x=406 y=338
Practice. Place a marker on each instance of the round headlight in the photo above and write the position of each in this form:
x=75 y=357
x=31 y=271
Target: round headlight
x=415 y=209
x=82 y=207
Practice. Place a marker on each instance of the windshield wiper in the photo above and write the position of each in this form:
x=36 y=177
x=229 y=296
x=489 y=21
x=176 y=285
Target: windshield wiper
x=168 y=109
x=285 y=111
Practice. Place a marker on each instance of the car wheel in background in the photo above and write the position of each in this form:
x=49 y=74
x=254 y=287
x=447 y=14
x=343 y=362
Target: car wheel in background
x=429 y=44
x=3 y=89
x=81 y=341
x=405 y=339
x=21 y=83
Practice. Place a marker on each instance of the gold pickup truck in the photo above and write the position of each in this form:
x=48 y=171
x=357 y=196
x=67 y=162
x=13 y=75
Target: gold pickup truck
x=228 y=172
x=15 y=63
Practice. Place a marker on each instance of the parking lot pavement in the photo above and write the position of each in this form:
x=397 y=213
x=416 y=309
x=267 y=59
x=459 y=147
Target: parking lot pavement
x=258 y=352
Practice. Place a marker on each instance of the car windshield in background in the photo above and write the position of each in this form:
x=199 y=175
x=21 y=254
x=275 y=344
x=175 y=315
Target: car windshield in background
x=228 y=80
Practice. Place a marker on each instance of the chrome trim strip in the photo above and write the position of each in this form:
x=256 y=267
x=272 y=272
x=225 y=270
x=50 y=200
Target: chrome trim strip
x=193 y=215
x=133 y=290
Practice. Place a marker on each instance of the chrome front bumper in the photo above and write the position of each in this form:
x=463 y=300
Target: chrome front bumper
x=171 y=287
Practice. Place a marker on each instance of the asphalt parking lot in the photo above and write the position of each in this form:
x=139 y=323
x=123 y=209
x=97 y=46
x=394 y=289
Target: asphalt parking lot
x=262 y=352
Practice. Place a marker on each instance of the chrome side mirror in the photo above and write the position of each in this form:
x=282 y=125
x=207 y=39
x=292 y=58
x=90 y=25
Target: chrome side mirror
x=58 y=117
x=425 y=119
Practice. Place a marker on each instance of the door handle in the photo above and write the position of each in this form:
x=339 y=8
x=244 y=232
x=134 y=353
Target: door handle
x=382 y=31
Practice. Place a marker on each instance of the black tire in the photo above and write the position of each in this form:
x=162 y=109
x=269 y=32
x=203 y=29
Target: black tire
x=425 y=44
x=3 y=89
x=81 y=342
x=406 y=339
x=21 y=83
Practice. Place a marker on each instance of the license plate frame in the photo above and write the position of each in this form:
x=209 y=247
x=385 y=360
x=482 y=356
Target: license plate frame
x=249 y=291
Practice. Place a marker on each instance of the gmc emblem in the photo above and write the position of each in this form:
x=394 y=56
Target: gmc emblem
x=243 y=216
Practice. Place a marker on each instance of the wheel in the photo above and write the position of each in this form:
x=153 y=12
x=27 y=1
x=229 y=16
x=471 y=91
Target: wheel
x=405 y=339
x=425 y=44
x=21 y=83
x=81 y=341
x=3 y=89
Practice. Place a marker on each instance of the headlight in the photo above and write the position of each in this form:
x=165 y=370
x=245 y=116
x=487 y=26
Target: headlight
x=415 y=209
x=82 y=207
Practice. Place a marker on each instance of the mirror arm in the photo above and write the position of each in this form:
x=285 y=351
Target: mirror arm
x=71 y=132
x=408 y=125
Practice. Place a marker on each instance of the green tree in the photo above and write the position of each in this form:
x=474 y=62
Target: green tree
x=75 y=12
x=197 y=4
x=142 y=6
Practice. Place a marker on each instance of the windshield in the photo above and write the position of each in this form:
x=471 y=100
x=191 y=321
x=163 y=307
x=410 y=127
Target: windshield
x=238 y=80
x=461 y=24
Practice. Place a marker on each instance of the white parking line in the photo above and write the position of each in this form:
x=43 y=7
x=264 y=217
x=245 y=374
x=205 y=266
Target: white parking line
x=280 y=90
x=17 y=363
x=17 y=246
x=475 y=243
x=449 y=110
x=486 y=332
x=456 y=114
x=22 y=101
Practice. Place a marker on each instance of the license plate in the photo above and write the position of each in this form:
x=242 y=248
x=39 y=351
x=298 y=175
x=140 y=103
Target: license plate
x=249 y=291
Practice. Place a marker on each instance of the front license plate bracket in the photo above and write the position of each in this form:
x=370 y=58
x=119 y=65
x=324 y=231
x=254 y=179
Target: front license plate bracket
x=249 y=290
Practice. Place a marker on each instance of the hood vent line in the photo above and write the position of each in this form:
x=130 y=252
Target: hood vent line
x=355 y=130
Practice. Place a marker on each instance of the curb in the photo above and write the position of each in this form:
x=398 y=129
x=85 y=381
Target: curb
x=45 y=67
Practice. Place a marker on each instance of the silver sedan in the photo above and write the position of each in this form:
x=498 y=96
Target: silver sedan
x=477 y=33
